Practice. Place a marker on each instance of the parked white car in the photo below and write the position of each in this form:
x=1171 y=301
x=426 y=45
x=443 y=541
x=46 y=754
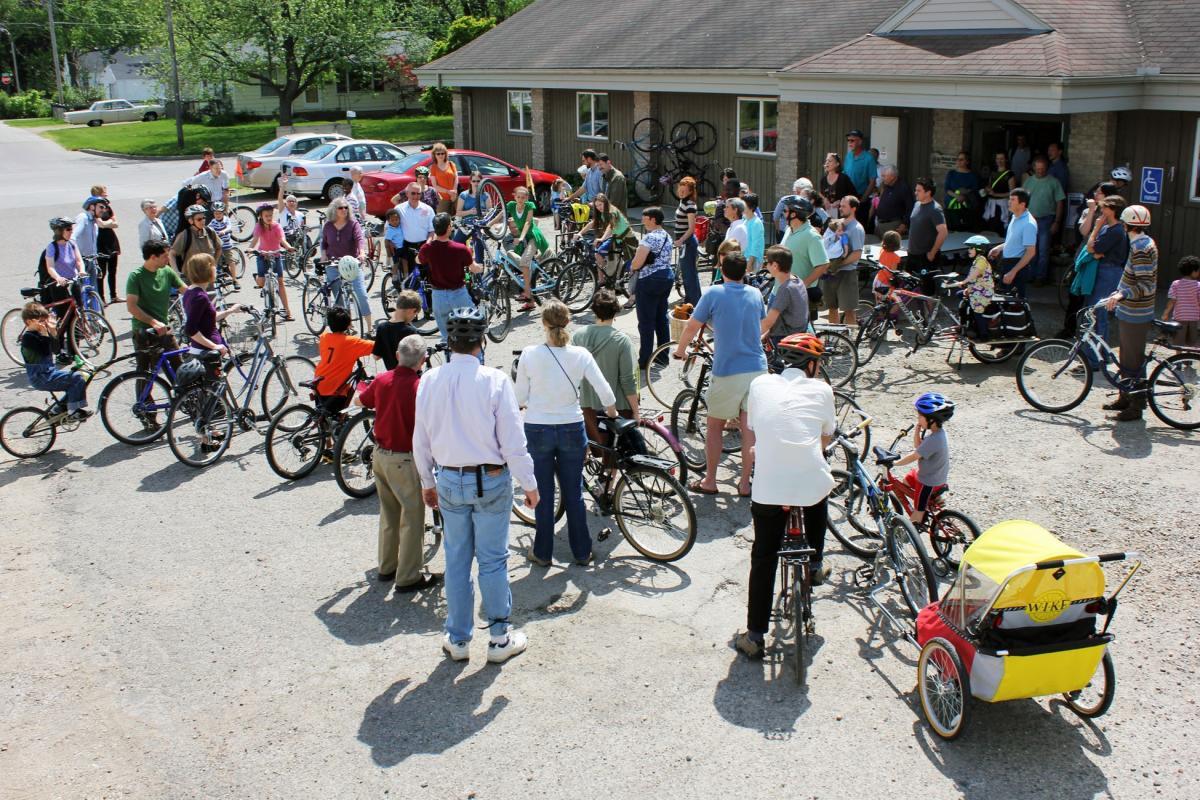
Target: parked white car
x=103 y=111
x=260 y=168
x=319 y=173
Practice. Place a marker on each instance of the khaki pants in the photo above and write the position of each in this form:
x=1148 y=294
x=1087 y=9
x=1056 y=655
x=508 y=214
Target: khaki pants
x=401 y=515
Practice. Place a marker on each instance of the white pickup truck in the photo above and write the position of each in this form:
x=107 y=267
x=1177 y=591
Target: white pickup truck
x=103 y=111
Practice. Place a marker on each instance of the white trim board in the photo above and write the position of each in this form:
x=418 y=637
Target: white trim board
x=750 y=81
x=973 y=16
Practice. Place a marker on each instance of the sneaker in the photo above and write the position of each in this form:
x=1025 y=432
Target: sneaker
x=80 y=414
x=458 y=651
x=541 y=562
x=820 y=574
x=583 y=562
x=750 y=648
x=514 y=643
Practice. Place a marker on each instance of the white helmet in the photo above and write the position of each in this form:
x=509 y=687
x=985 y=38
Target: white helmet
x=348 y=268
x=1138 y=216
x=1122 y=174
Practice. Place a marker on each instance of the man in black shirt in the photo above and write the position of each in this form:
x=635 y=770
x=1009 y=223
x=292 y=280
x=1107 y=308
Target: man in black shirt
x=926 y=234
x=399 y=325
x=895 y=203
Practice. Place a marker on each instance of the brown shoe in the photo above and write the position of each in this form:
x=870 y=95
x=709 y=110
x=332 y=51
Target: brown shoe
x=748 y=647
x=1120 y=403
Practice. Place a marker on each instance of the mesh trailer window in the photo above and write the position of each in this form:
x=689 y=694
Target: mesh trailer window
x=520 y=111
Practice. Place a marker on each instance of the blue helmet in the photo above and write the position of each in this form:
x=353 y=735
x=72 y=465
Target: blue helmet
x=936 y=407
x=977 y=241
x=92 y=200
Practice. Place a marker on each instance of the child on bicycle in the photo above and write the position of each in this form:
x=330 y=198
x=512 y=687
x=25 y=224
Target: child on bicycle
x=558 y=190
x=931 y=451
x=39 y=345
x=1183 y=302
x=977 y=289
x=889 y=262
x=219 y=225
x=269 y=240
x=338 y=355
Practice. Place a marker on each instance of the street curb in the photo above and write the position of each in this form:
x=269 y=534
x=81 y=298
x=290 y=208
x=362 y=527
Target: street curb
x=128 y=157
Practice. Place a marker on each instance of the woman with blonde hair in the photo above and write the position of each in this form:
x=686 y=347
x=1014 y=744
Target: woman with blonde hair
x=549 y=376
x=444 y=177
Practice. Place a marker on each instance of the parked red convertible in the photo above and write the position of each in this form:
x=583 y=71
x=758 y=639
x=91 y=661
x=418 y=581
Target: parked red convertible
x=380 y=186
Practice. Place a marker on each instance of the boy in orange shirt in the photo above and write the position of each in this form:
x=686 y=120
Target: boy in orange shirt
x=889 y=261
x=338 y=353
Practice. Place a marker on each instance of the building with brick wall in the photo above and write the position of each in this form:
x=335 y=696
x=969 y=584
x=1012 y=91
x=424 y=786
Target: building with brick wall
x=782 y=84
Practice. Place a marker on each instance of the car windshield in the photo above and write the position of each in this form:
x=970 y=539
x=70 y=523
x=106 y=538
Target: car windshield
x=318 y=153
x=408 y=162
x=272 y=145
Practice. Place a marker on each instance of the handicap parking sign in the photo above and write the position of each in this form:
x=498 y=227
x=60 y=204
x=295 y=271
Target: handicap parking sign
x=1152 y=185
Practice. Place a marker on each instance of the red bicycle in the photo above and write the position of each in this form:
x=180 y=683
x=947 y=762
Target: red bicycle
x=950 y=532
x=86 y=332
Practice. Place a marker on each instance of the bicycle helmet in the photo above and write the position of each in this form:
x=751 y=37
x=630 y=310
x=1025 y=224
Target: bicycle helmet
x=800 y=348
x=218 y=206
x=1138 y=216
x=466 y=324
x=190 y=373
x=421 y=171
x=1122 y=174
x=58 y=223
x=935 y=407
x=92 y=200
x=195 y=210
x=801 y=205
x=977 y=241
x=258 y=212
x=348 y=268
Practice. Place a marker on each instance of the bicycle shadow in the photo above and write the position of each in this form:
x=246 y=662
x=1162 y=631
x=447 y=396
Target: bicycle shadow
x=756 y=696
x=430 y=717
x=46 y=466
x=119 y=452
x=370 y=617
x=170 y=477
x=1134 y=440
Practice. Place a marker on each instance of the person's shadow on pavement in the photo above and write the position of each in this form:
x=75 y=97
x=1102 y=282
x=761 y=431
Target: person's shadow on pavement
x=372 y=616
x=429 y=717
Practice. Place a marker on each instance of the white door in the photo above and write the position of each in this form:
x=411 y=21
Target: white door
x=885 y=136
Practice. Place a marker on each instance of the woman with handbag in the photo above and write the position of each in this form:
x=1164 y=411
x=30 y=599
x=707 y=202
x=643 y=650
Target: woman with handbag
x=549 y=376
x=652 y=279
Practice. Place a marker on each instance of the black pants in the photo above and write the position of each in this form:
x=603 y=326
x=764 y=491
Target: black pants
x=1074 y=306
x=770 y=523
x=107 y=264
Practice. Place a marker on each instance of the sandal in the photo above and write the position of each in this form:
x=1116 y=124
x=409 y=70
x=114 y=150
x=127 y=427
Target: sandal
x=528 y=305
x=695 y=486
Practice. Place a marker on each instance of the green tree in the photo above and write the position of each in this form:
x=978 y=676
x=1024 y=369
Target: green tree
x=436 y=100
x=286 y=45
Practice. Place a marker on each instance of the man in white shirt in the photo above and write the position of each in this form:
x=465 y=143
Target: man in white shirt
x=214 y=180
x=735 y=212
x=356 y=195
x=416 y=225
x=468 y=436
x=793 y=417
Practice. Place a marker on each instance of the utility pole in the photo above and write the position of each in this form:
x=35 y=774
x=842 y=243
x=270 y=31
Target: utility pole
x=174 y=76
x=16 y=74
x=54 y=49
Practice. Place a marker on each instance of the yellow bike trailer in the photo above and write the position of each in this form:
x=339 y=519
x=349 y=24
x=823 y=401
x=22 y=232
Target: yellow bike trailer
x=1019 y=621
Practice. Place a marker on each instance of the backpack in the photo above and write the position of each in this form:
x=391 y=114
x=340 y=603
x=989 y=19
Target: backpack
x=718 y=226
x=43 y=276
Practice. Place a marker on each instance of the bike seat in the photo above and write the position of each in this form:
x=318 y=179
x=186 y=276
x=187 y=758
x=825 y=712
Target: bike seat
x=1161 y=324
x=884 y=457
x=620 y=425
x=208 y=356
x=30 y=292
x=313 y=383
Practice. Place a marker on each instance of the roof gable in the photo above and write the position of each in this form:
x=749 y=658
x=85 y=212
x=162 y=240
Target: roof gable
x=961 y=16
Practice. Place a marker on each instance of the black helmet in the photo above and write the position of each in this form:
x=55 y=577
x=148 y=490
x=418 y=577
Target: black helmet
x=58 y=223
x=800 y=205
x=190 y=373
x=466 y=324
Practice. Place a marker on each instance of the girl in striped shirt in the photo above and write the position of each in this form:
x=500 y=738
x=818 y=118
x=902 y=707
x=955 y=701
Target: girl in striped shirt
x=1133 y=302
x=1183 y=302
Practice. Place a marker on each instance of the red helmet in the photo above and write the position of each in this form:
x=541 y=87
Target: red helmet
x=800 y=348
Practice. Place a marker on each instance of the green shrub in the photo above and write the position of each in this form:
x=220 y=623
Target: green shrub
x=27 y=104
x=436 y=101
x=75 y=98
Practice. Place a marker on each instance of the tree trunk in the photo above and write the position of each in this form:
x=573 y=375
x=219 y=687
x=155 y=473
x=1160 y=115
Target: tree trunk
x=287 y=96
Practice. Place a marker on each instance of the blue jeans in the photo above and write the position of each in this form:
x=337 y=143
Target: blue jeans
x=1108 y=278
x=476 y=528
x=1041 y=262
x=275 y=265
x=559 y=450
x=50 y=378
x=445 y=301
x=652 y=293
x=91 y=280
x=357 y=285
x=687 y=266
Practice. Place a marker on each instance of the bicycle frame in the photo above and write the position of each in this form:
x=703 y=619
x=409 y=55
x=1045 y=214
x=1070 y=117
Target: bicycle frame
x=162 y=364
x=260 y=357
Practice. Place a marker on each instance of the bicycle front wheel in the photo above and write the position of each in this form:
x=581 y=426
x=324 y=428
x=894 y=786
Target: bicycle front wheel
x=576 y=287
x=914 y=573
x=526 y=514
x=647 y=134
x=840 y=360
x=282 y=384
x=492 y=207
x=200 y=426
x=689 y=426
x=1052 y=377
x=11 y=328
x=850 y=518
x=134 y=407
x=93 y=338
x=27 y=432
x=241 y=223
x=654 y=513
x=354 y=455
x=295 y=442
x=950 y=533
x=316 y=306
x=871 y=335
x=498 y=304
x=646 y=186
x=666 y=377
x=1174 y=391
x=239 y=264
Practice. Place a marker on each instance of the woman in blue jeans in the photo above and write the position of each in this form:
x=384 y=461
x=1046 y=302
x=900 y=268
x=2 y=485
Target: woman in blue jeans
x=655 y=279
x=685 y=238
x=548 y=379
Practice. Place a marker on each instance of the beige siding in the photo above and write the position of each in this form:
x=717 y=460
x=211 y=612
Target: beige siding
x=566 y=144
x=828 y=125
x=959 y=15
x=489 y=128
x=249 y=100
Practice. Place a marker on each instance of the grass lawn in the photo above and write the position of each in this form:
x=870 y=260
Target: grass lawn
x=158 y=138
x=35 y=122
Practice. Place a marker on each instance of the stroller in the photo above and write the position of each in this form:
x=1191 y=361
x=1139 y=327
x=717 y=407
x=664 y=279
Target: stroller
x=1020 y=621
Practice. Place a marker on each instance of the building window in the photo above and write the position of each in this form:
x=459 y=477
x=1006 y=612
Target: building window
x=758 y=120
x=359 y=80
x=1194 y=194
x=267 y=90
x=312 y=95
x=520 y=111
x=591 y=113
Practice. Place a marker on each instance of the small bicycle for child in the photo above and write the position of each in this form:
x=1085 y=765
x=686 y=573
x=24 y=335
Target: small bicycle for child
x=29 y=431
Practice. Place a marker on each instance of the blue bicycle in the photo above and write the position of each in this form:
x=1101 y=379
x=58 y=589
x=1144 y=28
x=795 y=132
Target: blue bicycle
x=134 y=405
x=416 y=280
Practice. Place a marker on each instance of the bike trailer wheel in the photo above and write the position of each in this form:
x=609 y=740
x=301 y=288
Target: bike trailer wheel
x=1095 y=699
x=944 y=688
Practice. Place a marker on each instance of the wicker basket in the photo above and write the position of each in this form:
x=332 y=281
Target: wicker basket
x=677 y=326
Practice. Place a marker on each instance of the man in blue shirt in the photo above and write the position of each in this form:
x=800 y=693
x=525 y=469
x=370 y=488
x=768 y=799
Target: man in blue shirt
x=862 y=170
x=735 y=312
x=593 y=179
x=1020 y=242
x=1058 y=165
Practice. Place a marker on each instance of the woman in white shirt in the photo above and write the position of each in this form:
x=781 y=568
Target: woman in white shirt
x=548 y=380
x=151 y=227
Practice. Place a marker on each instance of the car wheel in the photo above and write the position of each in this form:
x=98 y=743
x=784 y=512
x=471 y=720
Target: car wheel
x=274 y=190
x=95 y=123
x=333 y=189
x=150 y=117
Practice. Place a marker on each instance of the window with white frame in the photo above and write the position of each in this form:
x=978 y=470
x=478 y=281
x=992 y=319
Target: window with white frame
x=1194 y=193
x=591 y=115
x=758 y=120
x=520 y=111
